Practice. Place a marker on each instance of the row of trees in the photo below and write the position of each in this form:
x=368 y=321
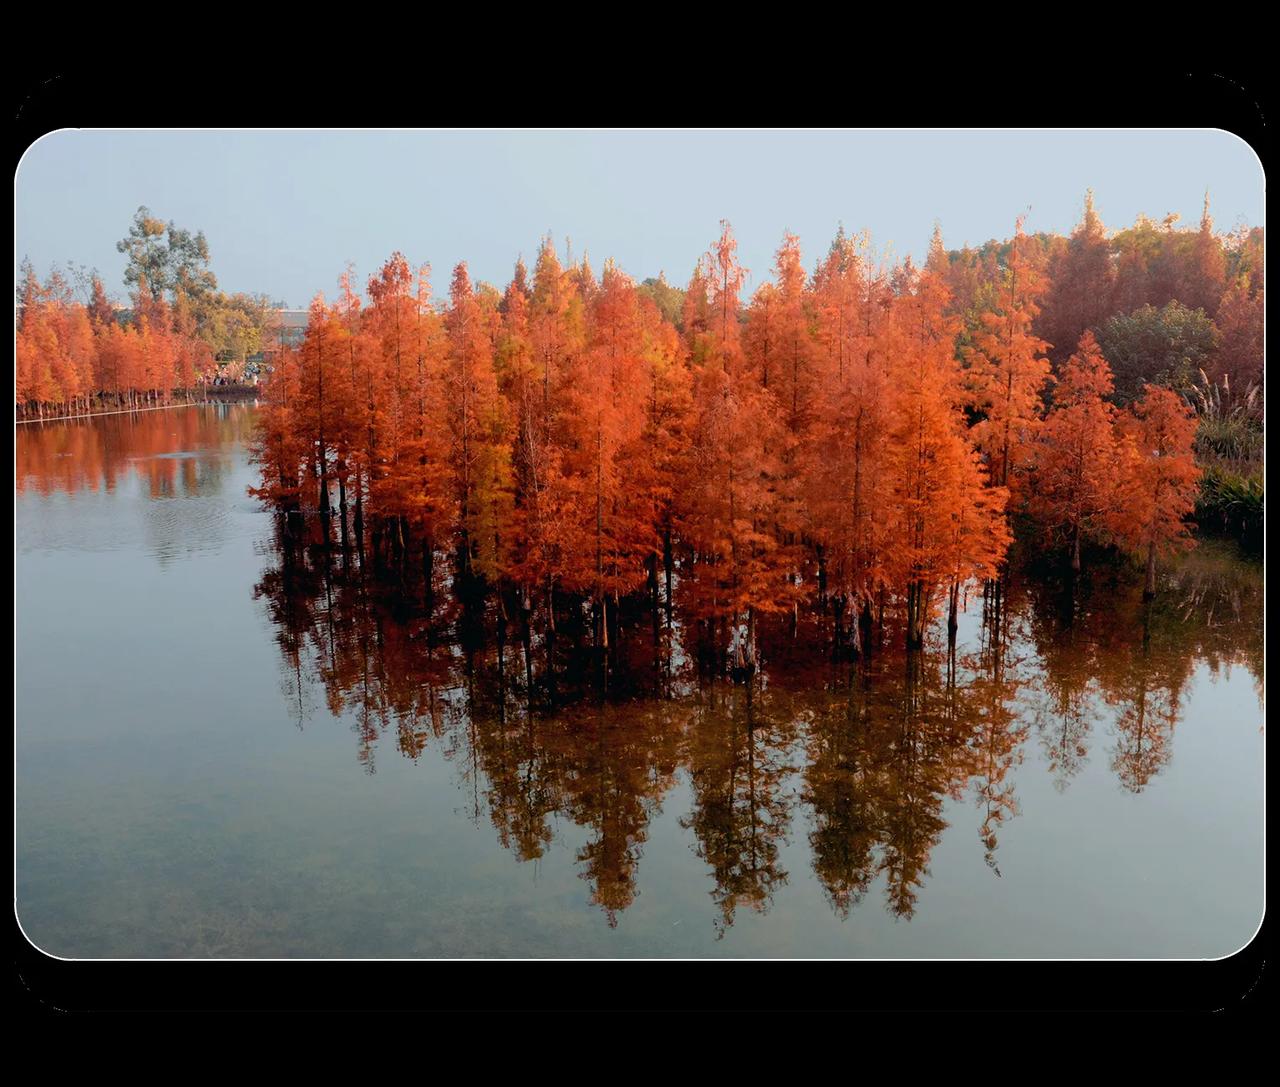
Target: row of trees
x=844 y=439
x=71 y=355
x=75 y=353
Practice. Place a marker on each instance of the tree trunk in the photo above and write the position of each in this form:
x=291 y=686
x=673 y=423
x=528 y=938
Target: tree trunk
x=428 y=575
x=526 y=636
x=668 y=561
x=865 y=626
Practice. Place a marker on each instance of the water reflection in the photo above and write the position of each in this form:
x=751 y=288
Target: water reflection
x=1103 y=648
x=740 y=740
x=170 y=807
x=875 y=760
x=88 y=483
x=174 y=453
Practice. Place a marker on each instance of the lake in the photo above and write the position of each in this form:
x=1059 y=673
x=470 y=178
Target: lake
x=231 y=747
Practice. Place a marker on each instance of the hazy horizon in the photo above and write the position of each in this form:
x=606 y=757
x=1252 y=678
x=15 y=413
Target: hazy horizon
x=284 y=211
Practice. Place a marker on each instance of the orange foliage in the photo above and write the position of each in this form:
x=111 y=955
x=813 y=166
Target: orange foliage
x=1157 y=480
x=69 y=355
x=571 y=447
x=1009 y=369
x=1077 y=460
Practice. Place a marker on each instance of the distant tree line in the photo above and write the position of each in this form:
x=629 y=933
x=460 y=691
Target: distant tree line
x=77 y=349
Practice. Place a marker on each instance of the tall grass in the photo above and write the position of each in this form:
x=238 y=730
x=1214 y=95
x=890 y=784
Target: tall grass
x=1230 y=445
x=1230 y=424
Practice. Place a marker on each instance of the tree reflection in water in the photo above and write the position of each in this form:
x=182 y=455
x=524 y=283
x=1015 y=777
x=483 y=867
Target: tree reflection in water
x=868 y=753
x=97 y=452
x=1100 y=647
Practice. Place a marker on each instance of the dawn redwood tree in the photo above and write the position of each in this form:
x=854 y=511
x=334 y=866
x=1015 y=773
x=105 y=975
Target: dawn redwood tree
x=101 y=311
x=521 y=382
x=1203 y=275
x=349 y=381
x=392 y=320
x=696 y=316
x=278 y=447
x=37 y=350
x=1158 y=479
x=656 y=456
x=320 y=362
x=477 y=422
x=611 y=525
x=425 y=465
x=732 y=499
x=29 y=294
x=112 y=345
x=513 y=354
x=794 y=386
x=1245 y=254
x=1077 y=460
x=1239 y=355
x=1082 y=285
x=79 y=350
x=1009 y=369
x=947 y=524
x=836 y=301
x=760 y=336
x=845 y=494
x=537 y=343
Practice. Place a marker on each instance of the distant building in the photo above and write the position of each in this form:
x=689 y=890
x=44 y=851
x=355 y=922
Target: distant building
x=288 y=326
x=293 y=324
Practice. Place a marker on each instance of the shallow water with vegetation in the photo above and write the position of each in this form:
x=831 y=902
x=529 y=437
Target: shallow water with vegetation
x=235 y=744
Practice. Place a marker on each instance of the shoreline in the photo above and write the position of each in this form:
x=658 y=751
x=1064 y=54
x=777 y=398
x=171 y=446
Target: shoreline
x=231 y=394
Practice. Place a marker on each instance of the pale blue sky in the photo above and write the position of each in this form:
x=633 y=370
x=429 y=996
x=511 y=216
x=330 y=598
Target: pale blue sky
x=285 y=211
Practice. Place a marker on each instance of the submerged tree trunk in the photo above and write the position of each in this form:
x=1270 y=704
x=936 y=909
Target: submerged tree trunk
x=359 y=514
x=916 y=602
x=653 y=602
x=952 y=618
x=429 y=576
x=342 y=508
x=550 y=639
x=668 y=561
x=526 y=636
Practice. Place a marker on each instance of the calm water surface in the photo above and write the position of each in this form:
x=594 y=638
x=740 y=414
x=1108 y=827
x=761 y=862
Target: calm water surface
x=224 y=749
